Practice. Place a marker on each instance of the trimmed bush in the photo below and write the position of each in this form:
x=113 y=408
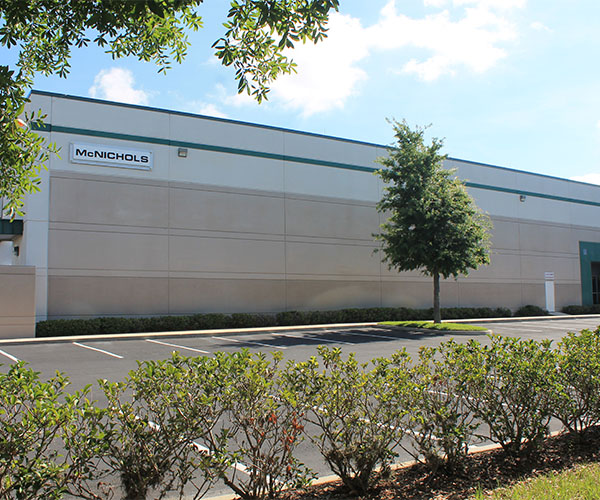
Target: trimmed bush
x=107 y=325
x=35 y=417
x=263 y=426
x=577 y=403
x=439 y=422
x=356 y=412
x=509 y=386
x=592 y=309
x=530 y=310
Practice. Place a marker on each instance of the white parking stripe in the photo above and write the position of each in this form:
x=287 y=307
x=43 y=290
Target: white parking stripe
x=521 y=328
x=177 y=346
x=372 y=335
x=250 y=342
x=313 y=338
x=108 y=353
x=9 y=356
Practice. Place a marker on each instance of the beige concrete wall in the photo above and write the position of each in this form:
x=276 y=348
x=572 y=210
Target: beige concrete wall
x=119 y=246
x=230 y=230
x=17 y=301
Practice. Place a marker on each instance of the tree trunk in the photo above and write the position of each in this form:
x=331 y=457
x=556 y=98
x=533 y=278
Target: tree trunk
x=437 y=314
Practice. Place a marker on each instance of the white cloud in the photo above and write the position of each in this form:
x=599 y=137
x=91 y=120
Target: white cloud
x=539 y=26
x=205 y=108
x=472 y=41
x=592 y=178
x=117 y=84
x=435 y=3
x=327 y=74
x=461 y=34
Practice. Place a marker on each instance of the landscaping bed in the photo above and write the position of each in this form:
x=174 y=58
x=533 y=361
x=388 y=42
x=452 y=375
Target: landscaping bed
x=483 y=471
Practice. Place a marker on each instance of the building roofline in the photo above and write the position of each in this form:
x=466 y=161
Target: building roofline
x=283 y=129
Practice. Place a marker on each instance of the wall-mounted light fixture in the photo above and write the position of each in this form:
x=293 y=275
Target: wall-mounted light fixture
x=522 y=198
x=16 y=251
x=182 y=152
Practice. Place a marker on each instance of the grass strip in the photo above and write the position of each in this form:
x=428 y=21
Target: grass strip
x=579 y=483
x=429 y=325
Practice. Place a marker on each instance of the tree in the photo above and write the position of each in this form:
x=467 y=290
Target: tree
x=434 y=225
x=44 y=32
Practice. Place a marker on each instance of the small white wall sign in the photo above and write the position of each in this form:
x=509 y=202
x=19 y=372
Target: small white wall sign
x=110 y=156
x=549 y=288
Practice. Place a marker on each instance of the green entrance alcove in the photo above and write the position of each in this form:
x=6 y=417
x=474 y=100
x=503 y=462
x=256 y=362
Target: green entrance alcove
x=589 y=257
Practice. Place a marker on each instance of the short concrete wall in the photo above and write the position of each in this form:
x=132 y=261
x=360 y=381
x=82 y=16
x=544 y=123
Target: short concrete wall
x=17 y=301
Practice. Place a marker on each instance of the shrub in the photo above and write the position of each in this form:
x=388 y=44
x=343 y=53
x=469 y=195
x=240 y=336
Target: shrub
x=439 y=422
x=508 y=385
x=577 y=403
x=530 y=310
x=591 y=309
x=34 y=417
x=152 y=423
x=263 y=429
x=96 y=326
x=356 y=412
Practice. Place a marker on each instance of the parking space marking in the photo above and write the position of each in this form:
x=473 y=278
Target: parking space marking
x=521 y=328
x=250 y=342
x=9 y=356
x=313 y=338
x=108 y=353
x=177 y=346
x=372 y=335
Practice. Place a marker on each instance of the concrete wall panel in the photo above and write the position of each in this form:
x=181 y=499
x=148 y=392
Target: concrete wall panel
x=490 y=294
x=107 y=251
x=81 y=296
x=229 y=212
x=17 y=301
x=328 y=295
x=113 y=203
x=226 y=134
x=327 y=259
x=330 y=220
x=231 y=170
x=327 y=149
x=190 y=296
x=226 y=255
x=314 y=180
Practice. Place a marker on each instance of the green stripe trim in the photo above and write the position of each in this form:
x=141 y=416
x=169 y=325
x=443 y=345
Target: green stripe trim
x=531 y=193
x=14 y=227
x=280 y=157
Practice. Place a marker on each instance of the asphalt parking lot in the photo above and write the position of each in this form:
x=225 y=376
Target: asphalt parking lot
x=87 y=360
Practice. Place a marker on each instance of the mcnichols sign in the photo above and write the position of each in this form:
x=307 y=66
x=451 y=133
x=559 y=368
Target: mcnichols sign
x=99 y=154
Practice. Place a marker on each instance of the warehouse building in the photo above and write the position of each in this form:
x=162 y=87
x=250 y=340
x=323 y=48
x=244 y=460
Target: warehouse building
x=154 y=212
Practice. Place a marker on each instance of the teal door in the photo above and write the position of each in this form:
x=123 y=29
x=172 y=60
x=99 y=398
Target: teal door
x=589 y=256
x=595 y=282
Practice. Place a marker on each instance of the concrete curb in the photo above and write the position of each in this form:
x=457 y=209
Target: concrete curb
x=181 y=333
x=523 y=318
x=242 y=331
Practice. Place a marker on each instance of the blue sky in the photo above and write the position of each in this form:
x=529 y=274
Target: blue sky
x=514 y=83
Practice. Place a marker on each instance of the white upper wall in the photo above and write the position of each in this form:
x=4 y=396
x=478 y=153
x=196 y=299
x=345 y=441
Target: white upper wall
x=230 y=154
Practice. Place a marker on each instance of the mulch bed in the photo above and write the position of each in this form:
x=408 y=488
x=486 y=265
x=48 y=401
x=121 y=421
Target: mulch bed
x=485 y=470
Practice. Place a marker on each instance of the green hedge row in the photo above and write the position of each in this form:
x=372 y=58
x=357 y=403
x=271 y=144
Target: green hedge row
x=97 y=326
x=593 y=309
x=187 y=423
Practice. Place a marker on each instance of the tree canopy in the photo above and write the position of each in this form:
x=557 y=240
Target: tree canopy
x=433 y=224
x=44 y=32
